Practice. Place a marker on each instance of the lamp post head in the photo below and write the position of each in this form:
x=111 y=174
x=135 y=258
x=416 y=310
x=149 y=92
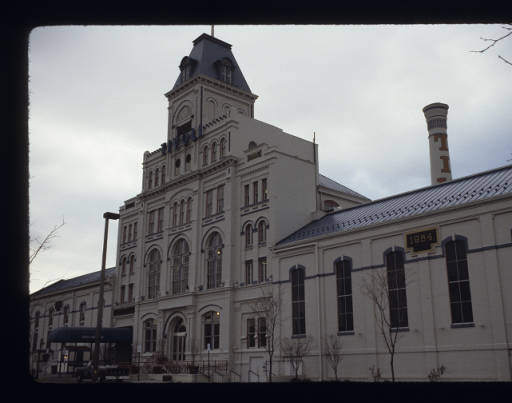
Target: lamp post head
x=111 y=216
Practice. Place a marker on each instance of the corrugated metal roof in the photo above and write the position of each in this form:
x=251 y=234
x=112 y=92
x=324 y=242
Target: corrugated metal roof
x=458 y=192
x=63 y=285
x=206 y=51
x=331 y=184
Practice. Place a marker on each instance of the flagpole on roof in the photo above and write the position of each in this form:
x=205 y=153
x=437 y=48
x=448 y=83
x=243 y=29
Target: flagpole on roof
x=212 y=31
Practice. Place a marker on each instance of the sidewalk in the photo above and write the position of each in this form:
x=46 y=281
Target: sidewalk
x=63 y=378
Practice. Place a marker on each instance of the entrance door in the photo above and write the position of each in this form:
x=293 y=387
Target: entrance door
x=178 y=339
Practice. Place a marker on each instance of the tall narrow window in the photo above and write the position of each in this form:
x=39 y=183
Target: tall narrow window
x=262 y=232
x=188 y=161
x=298 y=303
x=81 y=313
x=154 y=274
x=205 y=156
x=175 y=214
x=180 y=259
x=248 y=272
x=121 y=298
x=222 y=148
x=50 y=318
x=396 y=288
x=130 y=232
x=151 y=222
x=182 y=211
x=36 y=320
x=160 y=219
x=134 y=231
x=209 y=203
x=157 y=174
x=132 y=261
x=177 y=165
x=124 y=234
x=150 y=180
x=130 y=292
x=255 y=192
x=458 y=282
x=246 y=195
x=344 y=293
x=214 y=152
x=149 y=336
x=220 y=199
x=262 y=332
x=211 y=330
x=123 y=266
x=214 y=260
x=189 y=210
x=262 y=269
x=251 y=332
x=65 y=319
x=248 y=236
x=264 y=192
x=163 y=175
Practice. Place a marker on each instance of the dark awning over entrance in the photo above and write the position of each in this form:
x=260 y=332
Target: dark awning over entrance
x=88 y=335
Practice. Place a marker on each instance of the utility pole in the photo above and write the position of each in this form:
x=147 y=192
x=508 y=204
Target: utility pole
x=107 y=216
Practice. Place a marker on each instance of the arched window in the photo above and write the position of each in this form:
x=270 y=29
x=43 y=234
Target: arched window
x=123 y=266
x=344 y=294
x=298 y=301
x=50 y=318
x=157 y=174
x=130 y=232
x=211 y=330
x=182 y=211
x=205 y=156
x=175 y=214
x=189 y=210
x=222 y=148
x=188 y=160
x=214 y=152
x=65 y=319
x=180 y=258
x=149 y=336
x=34 y=340
x=154 y=274
x=248 y=236
x=36 y=320
x=81 y=313
x=458 y=282
x=132 y=261
x=262 y=232
x=396 y=289
x=150 y=180
x=163 y=175
x=214 y=260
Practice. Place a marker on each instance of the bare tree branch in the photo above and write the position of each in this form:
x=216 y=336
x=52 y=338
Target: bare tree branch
x=494 y=42
x=333 y=352
x=45 y=243
x=295 y=350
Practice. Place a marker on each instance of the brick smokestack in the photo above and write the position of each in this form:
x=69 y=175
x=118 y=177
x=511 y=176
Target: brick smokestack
x=436 y=116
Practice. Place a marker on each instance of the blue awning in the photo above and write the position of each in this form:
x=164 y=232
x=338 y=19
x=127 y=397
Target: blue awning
x=88 y=335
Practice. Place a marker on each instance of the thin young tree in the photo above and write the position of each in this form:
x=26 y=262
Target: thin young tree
x=333 y=352
x=38 y=245
x=295 y=350
x=377 y=290
x=268 y=307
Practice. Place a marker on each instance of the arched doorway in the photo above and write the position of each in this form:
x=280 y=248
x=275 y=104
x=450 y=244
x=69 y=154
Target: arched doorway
x=177 y=339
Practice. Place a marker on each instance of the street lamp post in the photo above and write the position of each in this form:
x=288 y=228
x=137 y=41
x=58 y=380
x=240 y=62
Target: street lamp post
x=107 y=216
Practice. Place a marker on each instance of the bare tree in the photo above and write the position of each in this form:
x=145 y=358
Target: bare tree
x=377 y=290
x=333 y=352
x=44 y=244
x=295 y=350
x=494 y=41
x=268 y=307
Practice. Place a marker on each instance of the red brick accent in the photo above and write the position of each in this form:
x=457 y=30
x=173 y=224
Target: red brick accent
x=446 y=164
x=441 y=180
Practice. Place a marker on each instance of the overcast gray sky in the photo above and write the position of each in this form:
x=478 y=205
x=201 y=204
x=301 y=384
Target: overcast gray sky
x=97 y=103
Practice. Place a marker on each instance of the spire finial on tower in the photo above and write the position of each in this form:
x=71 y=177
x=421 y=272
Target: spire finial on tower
x=212 y=31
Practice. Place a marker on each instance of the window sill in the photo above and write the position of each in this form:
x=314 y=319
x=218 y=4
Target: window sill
x=299 y=336
x=400 y=329
x=346 y=333
x=464 y=324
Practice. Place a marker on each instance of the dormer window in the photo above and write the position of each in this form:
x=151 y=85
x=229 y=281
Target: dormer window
x=186 y=67
x=225 y=69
